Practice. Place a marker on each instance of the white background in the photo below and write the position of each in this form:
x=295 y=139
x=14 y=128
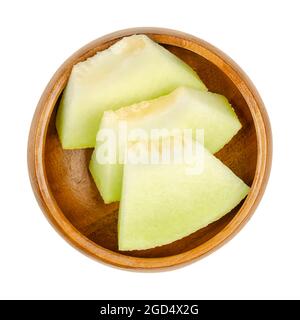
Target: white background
x=262 y=261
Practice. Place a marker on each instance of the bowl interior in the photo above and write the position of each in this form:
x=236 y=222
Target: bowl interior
x=78 y=198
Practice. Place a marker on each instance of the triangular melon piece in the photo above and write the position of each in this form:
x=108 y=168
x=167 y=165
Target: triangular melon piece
x=184 y=108
x=163 y=203
x=132 y=70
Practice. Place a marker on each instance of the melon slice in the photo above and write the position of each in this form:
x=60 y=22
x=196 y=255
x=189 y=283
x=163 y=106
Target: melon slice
x=184 y=108
x=162 y=203
x=132 y=70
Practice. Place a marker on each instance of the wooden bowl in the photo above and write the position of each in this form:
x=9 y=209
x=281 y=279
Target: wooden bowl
x=69 y=198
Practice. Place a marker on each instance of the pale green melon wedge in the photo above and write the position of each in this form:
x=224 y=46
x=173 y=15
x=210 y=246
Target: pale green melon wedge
x=182 y=109
x=132 y=70
x=108 y=179
x=107 y=176
x=162 y=203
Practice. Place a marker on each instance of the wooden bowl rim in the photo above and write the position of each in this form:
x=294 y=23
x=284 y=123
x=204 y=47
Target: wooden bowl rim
x=39 y=127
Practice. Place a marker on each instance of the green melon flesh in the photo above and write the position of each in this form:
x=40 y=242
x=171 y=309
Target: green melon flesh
x=132 y=70
x=162 y=203
x=184 y=108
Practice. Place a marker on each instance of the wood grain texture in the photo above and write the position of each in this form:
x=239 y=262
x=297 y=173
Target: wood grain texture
x=69 y=198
